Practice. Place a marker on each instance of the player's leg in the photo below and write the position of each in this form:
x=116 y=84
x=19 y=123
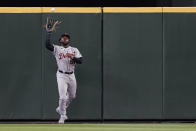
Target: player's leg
x=62 y=89
x=71 y=91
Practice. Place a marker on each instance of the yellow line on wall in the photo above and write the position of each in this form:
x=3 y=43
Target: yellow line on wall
x=132 y=9
x=97 y=9
x=71 y=10
x=179 y=9
x=149 y=9
x=20 y=10
x=50 y=10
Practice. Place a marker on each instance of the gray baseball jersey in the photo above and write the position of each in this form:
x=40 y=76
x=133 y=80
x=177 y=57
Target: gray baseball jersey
x=64 y=63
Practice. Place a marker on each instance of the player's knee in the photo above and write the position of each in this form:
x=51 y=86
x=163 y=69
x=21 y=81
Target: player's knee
x=62 y=98
x=72 y=96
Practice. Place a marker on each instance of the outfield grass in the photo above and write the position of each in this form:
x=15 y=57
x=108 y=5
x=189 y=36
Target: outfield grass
x=98 y=127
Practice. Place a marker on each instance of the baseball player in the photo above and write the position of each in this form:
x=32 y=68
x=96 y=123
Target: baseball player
x=66 y=57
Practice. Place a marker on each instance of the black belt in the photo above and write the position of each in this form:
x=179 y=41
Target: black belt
x=66 y=72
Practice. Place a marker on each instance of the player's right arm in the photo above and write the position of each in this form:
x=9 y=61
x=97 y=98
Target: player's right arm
x=48 y=44
x=50 y=27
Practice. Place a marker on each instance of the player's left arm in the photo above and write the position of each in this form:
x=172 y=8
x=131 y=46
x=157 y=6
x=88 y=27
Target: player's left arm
x=77 y=60
x=77 y=57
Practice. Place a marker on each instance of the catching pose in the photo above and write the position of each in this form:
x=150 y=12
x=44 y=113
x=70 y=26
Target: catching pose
x=66 y=57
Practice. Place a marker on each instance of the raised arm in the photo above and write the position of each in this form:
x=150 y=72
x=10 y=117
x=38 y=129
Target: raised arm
x=48 y=44
x=50 y=27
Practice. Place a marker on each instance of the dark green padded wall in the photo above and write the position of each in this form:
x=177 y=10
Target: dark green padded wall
x=132 y=65
x=138 y=49
x=179 y=65
x=28 y=84
x=20 y=55
x=85 y=31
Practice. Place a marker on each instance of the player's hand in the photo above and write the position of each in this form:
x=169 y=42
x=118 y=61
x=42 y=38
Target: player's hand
x=51 y=24
x=70 y=55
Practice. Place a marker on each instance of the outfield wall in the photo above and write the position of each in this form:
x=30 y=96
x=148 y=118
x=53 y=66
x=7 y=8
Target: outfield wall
x=139 y=63
x=132 y=64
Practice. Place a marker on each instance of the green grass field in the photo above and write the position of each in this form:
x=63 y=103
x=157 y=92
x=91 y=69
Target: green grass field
x=98 y=127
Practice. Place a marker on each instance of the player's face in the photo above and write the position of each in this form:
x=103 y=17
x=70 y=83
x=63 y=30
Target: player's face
x=64 y=40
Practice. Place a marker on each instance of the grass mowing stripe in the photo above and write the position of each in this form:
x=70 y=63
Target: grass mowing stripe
x=99 y=127
x=91 y=129
x=102 y=125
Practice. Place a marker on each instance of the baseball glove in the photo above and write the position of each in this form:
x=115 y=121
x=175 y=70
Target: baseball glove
x=51 y=24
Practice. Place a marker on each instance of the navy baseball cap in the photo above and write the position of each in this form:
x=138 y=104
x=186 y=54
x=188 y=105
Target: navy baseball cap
x=65 y=34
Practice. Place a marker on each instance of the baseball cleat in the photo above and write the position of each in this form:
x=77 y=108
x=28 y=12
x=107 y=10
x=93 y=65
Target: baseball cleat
x=62 y=119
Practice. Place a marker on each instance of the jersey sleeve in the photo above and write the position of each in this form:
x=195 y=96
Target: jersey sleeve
x=56 y=48
x=77 y=53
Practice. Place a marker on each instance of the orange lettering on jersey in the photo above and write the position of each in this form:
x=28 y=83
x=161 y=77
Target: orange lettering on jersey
x=64 y=56
x=61 y=55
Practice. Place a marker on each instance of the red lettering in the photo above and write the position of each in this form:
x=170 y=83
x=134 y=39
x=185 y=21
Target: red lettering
x=61 y=55
x=64 y=55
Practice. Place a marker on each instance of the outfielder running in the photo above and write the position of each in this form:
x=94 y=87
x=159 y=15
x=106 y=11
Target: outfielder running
x=66 y=58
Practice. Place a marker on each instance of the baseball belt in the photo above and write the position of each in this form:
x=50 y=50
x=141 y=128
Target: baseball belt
x=66 y=72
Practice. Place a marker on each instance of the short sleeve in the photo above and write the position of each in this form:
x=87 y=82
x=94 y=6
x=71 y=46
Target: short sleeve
x=56 y=48
x=77 y=53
